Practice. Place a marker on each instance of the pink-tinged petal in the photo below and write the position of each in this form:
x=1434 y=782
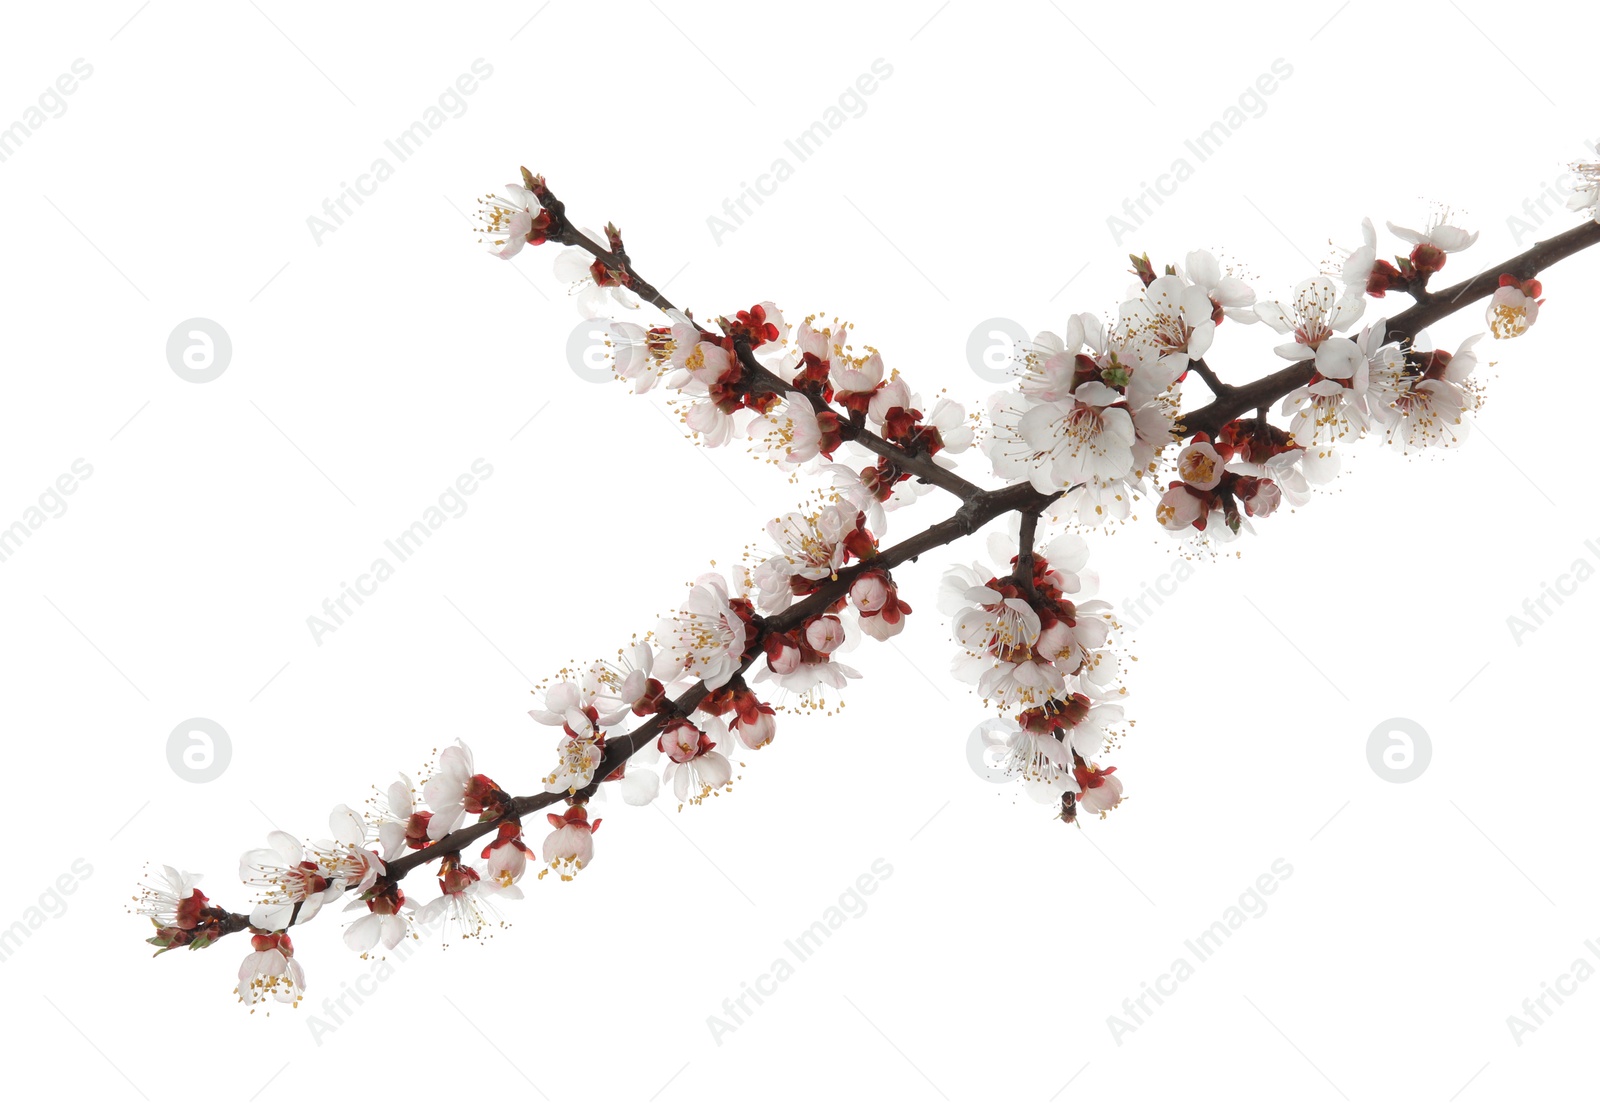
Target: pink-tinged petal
x=445 y=820
x=714 y=769
x=572 y=265
x=1339 y=358
x=1088 y=741
x=640 y=787
x=1233 y=292
x=1094 y=393
x=394 y=929
x=1352 y=304
x=286 y=846
x=1320 y=464
x=508 y=247
x=347 y=827
x=1405 y=233
x=400 y=797
x=1452 y=239
x=1275 y=316
x=362 y=935
x=1195 y=305
x=1203 y=268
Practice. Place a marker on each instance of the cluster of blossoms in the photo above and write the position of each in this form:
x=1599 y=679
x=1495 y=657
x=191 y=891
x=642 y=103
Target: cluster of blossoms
x=1035 y=642
x=1094 y=423
x=1094 y=410
x=1245 y=473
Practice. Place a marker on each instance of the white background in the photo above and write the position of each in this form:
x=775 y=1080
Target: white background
x=372 y=367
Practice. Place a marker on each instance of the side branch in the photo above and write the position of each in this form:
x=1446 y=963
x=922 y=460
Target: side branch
x=760 y=380
x=1234 y=402
x=922 y=466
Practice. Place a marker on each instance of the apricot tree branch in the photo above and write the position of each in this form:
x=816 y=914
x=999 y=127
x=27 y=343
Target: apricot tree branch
x=978 y=506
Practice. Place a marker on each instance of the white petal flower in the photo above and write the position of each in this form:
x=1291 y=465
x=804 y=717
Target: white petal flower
x=1317 y=310
x=1232 y=295
x=293 y=886
x=271 y=971
x=1440 y=234
x=707 y=637
x=507 y=219
x=789 y=431
x=1200 y=466
x=1510 y=312
x=575 y=266
x=446 y=790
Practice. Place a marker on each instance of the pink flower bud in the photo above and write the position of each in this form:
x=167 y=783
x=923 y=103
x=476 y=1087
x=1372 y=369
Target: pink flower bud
x=782 y=657
x=825 y=634
x=758 y=732
x=869 y=593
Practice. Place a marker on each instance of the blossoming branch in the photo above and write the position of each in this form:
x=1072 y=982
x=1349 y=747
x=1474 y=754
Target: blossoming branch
x=1095 y=424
